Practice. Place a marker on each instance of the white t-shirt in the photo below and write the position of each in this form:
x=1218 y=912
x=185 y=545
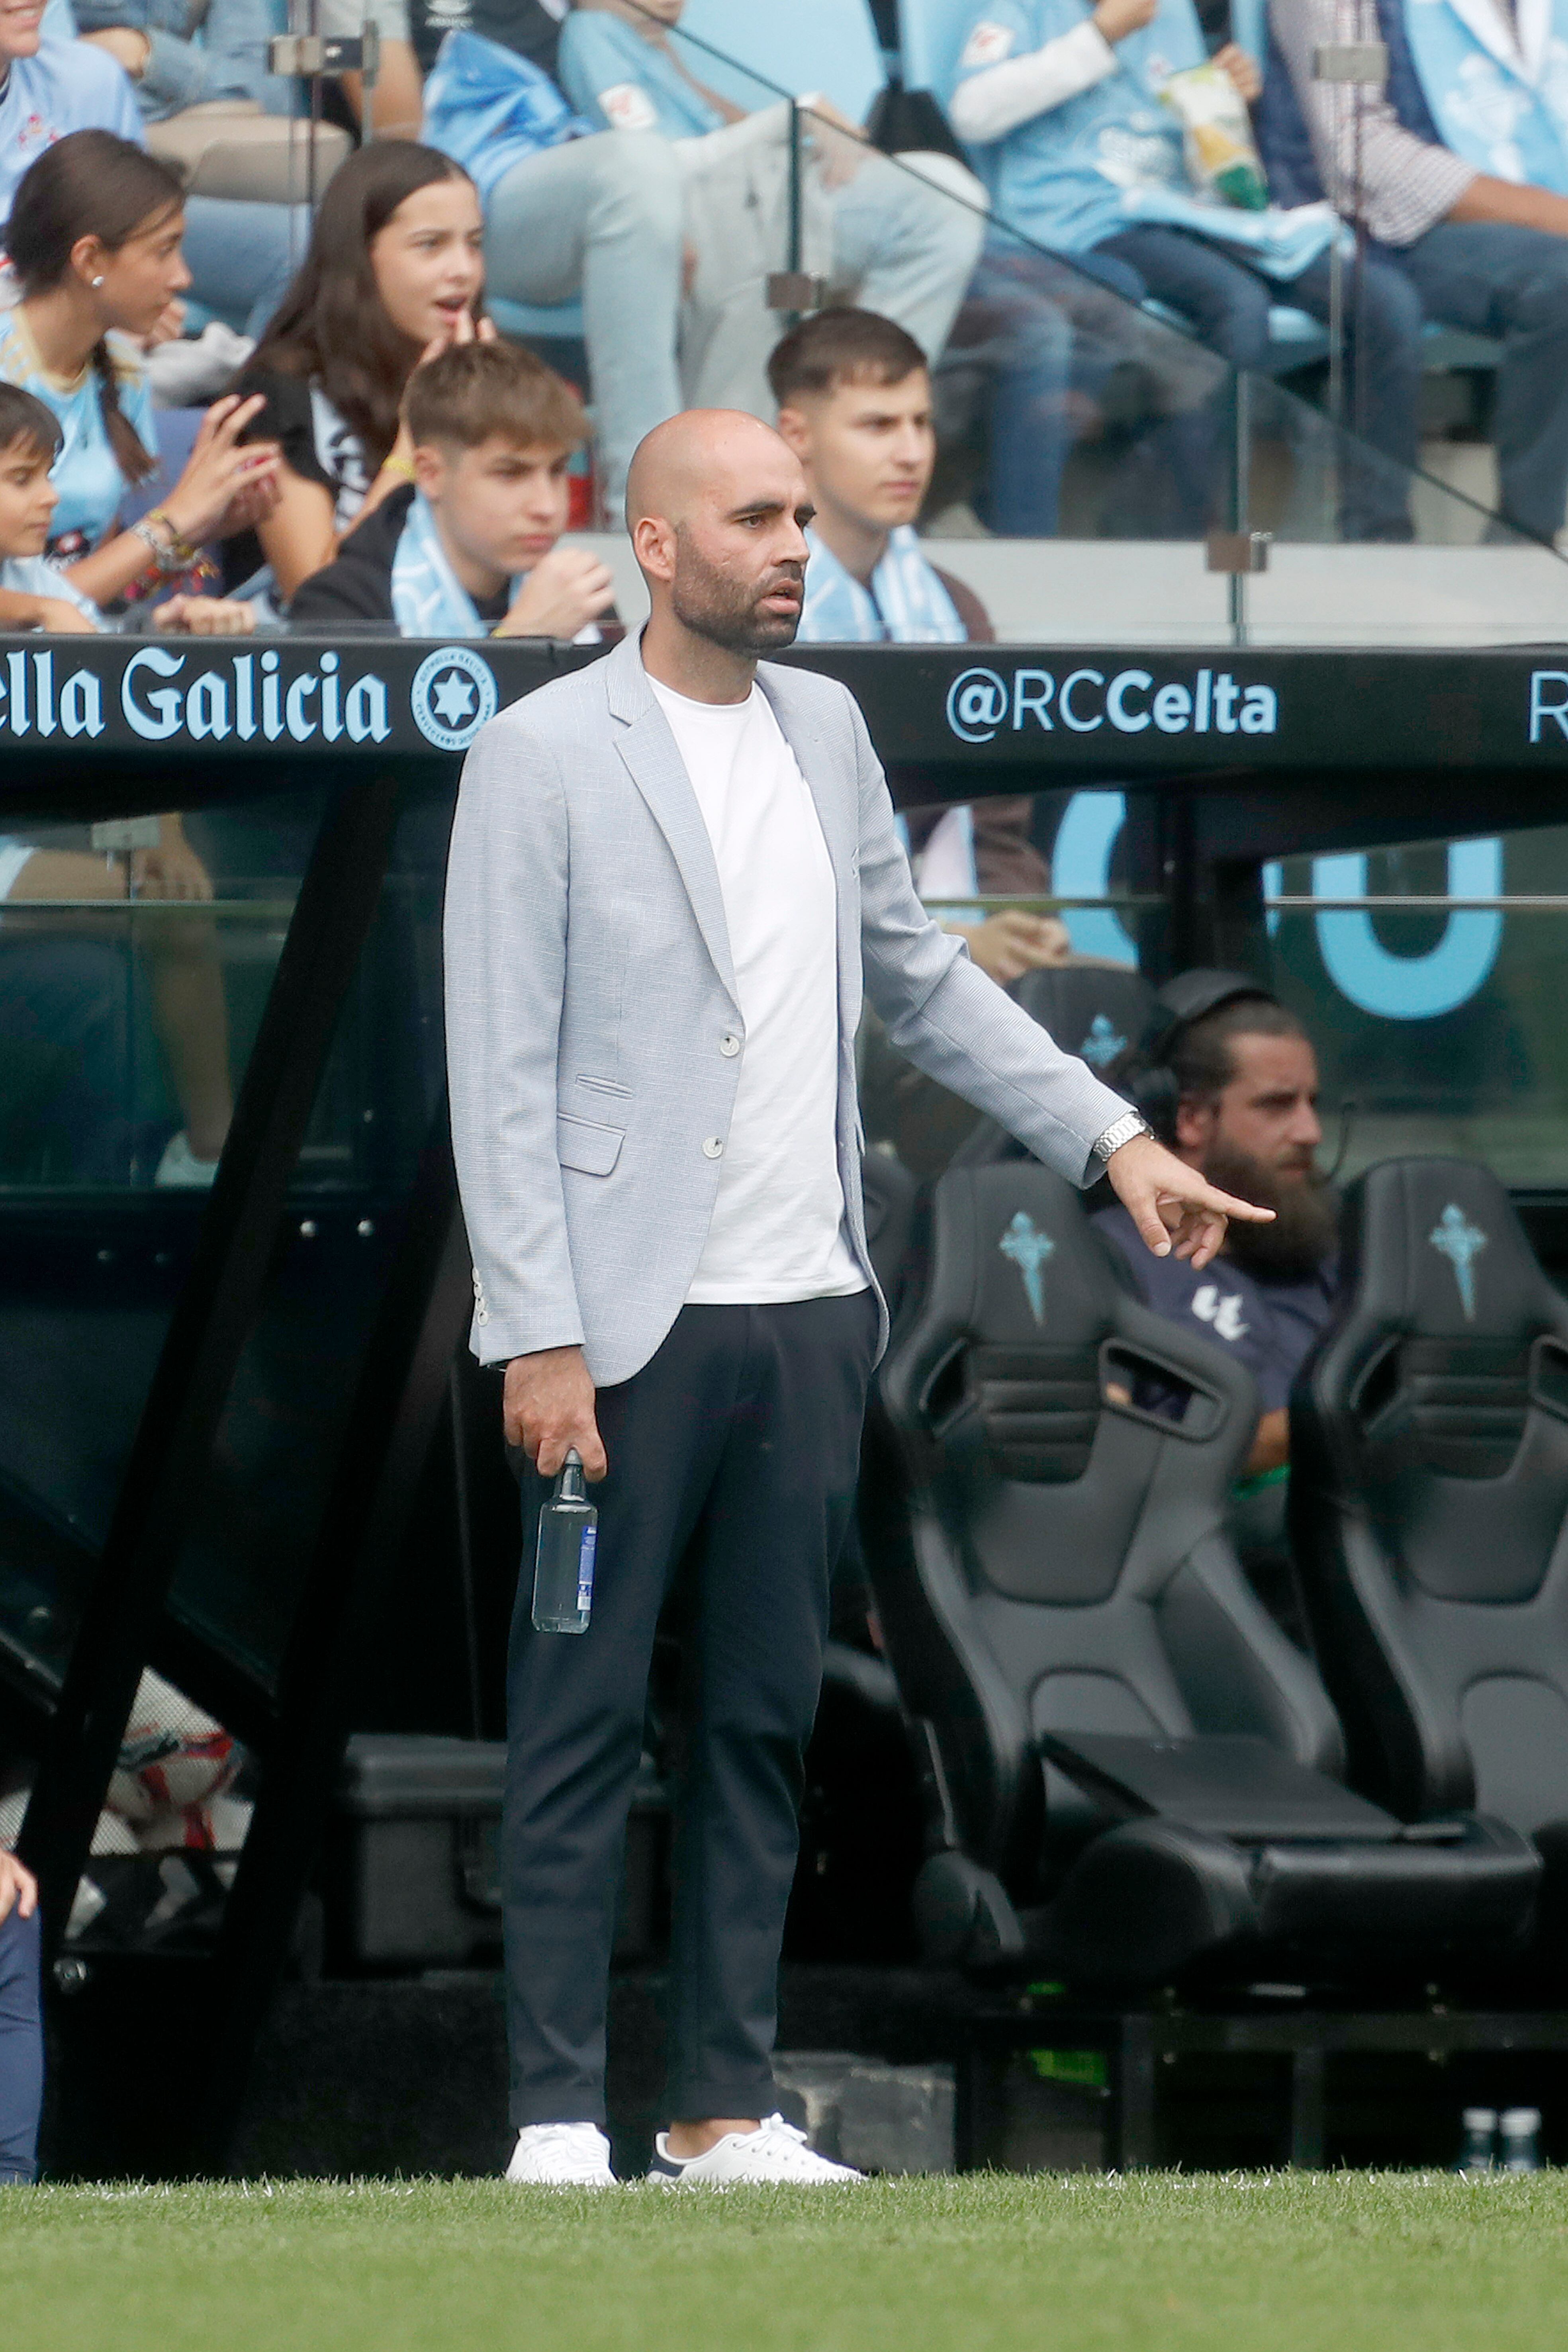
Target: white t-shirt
x=777 y=1230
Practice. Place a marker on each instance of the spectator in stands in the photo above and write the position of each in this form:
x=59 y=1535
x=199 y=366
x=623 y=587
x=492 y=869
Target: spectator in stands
x=566 y=216
x=1061 y=105
x=855 y=406
x=238 y=254
x=1461 y=163
x=170 y=68
x=395 y=273
x=895 y=233
x=468 y=549
x=54 y=992
x=94 y=238
x=21 y=2024
x=1233 y=1091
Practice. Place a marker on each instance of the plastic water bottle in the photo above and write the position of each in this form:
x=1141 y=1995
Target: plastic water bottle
x=563 y=1561
x=1519 y=2129
x=1481 y=2126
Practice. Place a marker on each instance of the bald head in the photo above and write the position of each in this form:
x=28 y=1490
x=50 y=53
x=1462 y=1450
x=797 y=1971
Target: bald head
x=703 y=455
x=716 y=507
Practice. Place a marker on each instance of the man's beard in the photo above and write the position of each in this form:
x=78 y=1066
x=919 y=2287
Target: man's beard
x=1306 y=1227
x=713 y=606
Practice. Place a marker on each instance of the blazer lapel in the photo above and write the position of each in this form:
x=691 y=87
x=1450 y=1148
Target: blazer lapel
x=648 y=747
x=839 y=816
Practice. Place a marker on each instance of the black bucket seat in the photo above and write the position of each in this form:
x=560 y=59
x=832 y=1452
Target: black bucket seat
x=1131 y=1774
x=1429 y=1504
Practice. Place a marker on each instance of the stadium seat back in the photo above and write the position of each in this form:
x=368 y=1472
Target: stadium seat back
x=829 y=46
x=1430 y=1494
x=1063 y=1565
x=1093 y=1009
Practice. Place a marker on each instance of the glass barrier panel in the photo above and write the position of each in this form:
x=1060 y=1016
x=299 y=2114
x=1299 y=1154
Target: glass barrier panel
x=1042 y=888
x=1089 y=443
x=240 y=1574
x=135 y=960
x=1431 y=977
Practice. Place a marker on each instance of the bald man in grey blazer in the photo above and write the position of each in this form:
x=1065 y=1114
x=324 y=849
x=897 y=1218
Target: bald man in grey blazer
x=672 y=875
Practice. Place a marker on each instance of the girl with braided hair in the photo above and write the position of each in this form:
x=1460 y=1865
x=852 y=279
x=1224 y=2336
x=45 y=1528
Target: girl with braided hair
x=94 y=238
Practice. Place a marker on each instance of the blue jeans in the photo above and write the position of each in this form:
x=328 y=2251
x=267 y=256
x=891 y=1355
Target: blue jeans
x=242 y=255
x=230 y=61
x=21 y=2049
x=1492 y=277
x=601 y=218
x=1229 y=303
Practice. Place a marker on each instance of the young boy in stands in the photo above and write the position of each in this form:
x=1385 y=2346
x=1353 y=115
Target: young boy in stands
x=469 y=549
x=854 y=401
x=188 y=1007
x=35 y=594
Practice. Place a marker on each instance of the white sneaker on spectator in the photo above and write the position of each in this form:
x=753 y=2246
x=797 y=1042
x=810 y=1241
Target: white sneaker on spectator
x=775 y=2151
x=179 y=1170
x=562 y=2156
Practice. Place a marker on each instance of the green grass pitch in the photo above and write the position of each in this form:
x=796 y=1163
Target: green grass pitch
x=1241 y=2262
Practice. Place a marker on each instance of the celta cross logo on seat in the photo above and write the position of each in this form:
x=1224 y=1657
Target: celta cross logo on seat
x=1103 y=1043
x=1454 y=1238
x=1028 y=1248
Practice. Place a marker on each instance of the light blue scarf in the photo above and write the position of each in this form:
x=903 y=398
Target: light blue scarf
x=906 y=605
x=1113 y=156
x=1503 y=106
x=428 y=600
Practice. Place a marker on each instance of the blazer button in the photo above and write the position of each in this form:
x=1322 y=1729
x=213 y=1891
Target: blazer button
x=729 y=1044
x=713 y=1146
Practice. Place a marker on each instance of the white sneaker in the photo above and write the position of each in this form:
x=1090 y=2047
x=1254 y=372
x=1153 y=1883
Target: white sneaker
x=775 y=2151
x=562 y=2156
x=179 y=1170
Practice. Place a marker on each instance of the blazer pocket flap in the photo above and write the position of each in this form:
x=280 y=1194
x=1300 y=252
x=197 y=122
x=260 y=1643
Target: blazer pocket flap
x=582 y=1143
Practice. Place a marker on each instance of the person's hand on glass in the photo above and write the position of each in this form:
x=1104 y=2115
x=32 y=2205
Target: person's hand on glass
x=171 y=870
x=1245 y=72
x=18 y=1887
x=1011 y=942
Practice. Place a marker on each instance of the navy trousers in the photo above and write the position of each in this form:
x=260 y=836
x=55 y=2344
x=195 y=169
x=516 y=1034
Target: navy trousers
x=1229 y=303
x=1492 y=277
x=21 y=2047
x=734 y=1450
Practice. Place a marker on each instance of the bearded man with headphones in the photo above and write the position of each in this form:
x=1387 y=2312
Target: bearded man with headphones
x=1227 y=1079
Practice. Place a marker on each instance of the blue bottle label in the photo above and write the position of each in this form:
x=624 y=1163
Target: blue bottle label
x=586 y=1569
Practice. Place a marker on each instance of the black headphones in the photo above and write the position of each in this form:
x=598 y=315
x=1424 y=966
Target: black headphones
x=1147 y=1077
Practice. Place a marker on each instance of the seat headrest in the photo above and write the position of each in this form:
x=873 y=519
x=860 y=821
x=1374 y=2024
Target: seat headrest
x=1014 y=1262
x=1089 y=1009
x=1434 y=1246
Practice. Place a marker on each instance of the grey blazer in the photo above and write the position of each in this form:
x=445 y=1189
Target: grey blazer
x=594 y=1038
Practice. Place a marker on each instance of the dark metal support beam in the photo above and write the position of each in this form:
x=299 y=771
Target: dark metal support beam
x=402 y=1392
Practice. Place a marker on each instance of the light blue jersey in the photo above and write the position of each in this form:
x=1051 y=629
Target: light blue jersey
x=1111 y=158
x=618 y=81
x=68 y=85
x=86 y=472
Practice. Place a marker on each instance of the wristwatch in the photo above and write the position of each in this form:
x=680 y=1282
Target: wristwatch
x=1121 y=1130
